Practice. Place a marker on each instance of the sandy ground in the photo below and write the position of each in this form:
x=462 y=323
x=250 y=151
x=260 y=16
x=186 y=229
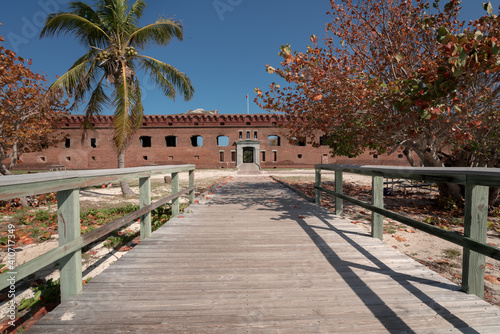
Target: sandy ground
x=419 y=245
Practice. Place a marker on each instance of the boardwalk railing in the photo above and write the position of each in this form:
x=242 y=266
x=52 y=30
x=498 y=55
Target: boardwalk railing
x=67 y=184
x=476 y=181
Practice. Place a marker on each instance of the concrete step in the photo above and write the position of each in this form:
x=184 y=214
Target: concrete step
x=248 y=169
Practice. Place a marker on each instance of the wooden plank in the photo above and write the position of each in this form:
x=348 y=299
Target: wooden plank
x=90 y=237
x=145 y=200
x=377 y=223
x=339 y=202
x=69 y=229
x=14 y=186
x=455 y=238
x=175 y=188
x=42 y=261
x=317 y=183
x=191 y=184
x=475 y=228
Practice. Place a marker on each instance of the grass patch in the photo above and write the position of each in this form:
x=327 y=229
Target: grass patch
x=451 y=253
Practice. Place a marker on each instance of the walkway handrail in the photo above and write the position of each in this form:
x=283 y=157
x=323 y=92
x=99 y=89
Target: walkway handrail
x=476 y=181
x=67 y=184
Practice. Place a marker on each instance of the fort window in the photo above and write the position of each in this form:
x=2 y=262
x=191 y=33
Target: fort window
x=66 y=124
x=323 y=140
x=195 y=123
x=248 y=123
x=145 y=157
x=233 y=156
x=145 y=141
x=248 y=134
x=299 y=142
x=93 y=142
x=197 y=141
x=221 y=156
x=67 y=143
x=263 y=156
x=299 y=156
x=375 y=156
x=68 y=158
x=273 y=140
x=275 y=156
x=222 y=141
x=222 y=123
x=400 y=156
x=197 y=157
x=255 y=135
x=94 y=159
x=170 y=124
x=171 y=141
x=170 y=157
x=240 y=136
x=42 y=158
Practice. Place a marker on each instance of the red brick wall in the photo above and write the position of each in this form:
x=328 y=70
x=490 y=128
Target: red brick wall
x=81 y=155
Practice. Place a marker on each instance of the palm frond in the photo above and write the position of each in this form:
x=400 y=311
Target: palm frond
x=79 y=78
x=71 y=79
x=115 y=14
x=97 y=101
x=84 y=10
x=73 y=24
x=94 y=108
x=136 y=11
x=137 y=110
x=167 y=78
x=160 y=32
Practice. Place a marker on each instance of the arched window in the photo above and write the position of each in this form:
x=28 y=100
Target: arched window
x=222 y=141
x=197 y=141
x=273 y=140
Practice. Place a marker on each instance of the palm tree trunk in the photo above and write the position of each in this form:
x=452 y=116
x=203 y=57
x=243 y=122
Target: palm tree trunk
x=126 y=191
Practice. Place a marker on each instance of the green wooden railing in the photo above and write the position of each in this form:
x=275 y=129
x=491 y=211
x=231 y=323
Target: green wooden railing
x=476 y=181
x=67 y=184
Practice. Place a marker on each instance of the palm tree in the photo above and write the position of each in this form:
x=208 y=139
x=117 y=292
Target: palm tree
x=110 y=33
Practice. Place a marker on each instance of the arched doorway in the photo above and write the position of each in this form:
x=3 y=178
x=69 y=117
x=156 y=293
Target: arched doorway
x=248 y=155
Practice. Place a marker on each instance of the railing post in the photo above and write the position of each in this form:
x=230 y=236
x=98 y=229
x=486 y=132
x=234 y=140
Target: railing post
x=378 y=201
x=145 y=199
x=475 y=227
x=68 y=218
x=175 y=189
x=317 y=183
x=191 y=184
x=339 y=202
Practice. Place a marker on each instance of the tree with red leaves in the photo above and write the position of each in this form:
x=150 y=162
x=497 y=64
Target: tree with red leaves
x=29 y=116
x=397 y=74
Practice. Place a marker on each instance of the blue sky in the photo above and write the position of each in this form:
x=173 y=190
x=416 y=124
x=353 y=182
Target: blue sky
x=227 y=44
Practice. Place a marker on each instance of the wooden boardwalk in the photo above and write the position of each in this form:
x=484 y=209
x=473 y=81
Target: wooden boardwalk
x=256 y=258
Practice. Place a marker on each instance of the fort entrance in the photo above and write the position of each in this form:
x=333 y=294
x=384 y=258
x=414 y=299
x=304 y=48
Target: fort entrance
x=247 y=151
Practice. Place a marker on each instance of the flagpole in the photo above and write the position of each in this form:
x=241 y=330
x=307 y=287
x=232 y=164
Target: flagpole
x=248 y=106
